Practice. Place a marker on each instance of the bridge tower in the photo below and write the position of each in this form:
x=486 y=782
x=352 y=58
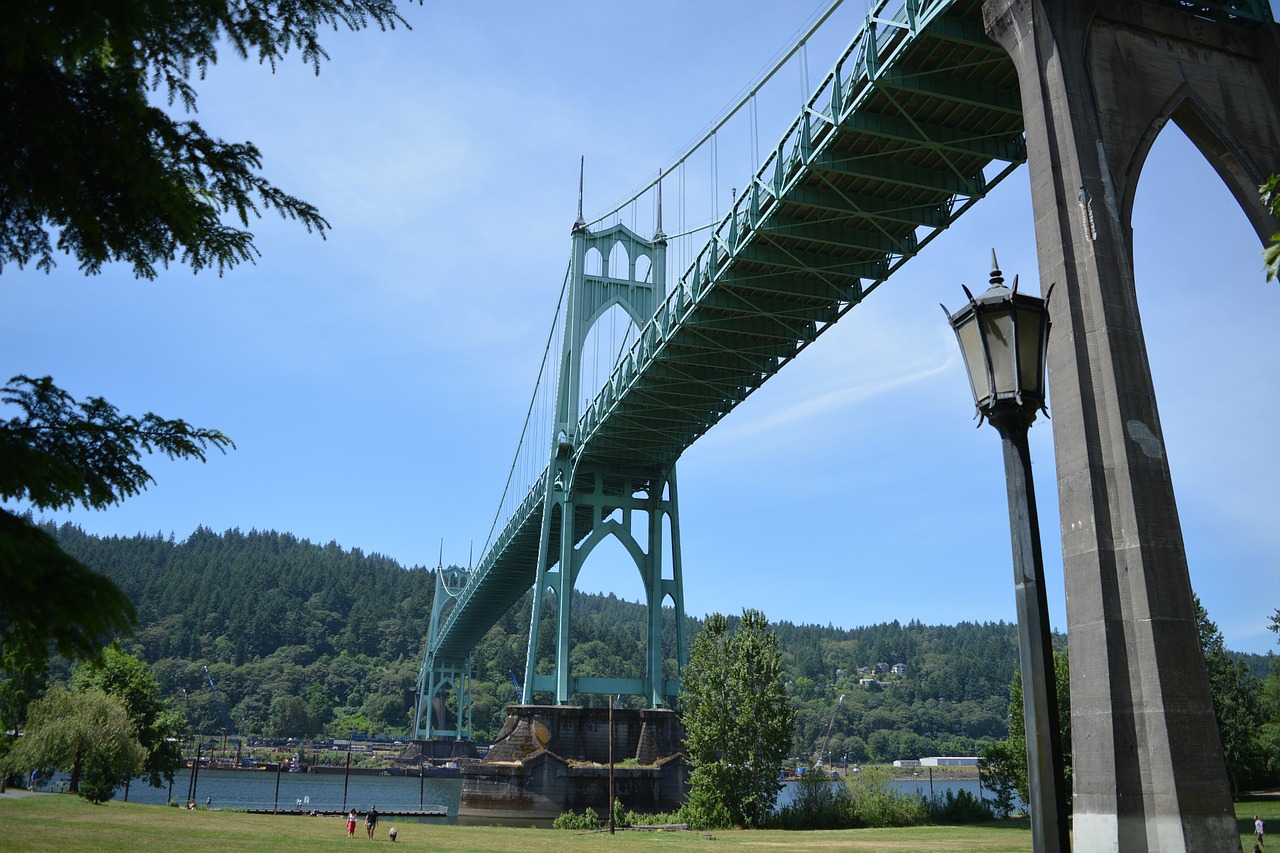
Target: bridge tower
x=588 y=501
x=441 y=675
x=1099 y=80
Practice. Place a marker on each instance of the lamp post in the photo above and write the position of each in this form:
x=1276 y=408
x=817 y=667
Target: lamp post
x=1003 y=336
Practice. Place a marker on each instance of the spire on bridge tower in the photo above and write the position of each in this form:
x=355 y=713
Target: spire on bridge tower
x=658 y=236
x=580 y=224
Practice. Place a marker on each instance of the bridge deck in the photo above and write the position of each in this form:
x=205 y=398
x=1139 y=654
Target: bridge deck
x=920 y=117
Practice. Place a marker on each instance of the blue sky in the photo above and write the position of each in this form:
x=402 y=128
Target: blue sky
x=375 y=382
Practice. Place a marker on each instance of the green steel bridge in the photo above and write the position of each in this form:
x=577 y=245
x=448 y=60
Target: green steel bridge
x=918 y=118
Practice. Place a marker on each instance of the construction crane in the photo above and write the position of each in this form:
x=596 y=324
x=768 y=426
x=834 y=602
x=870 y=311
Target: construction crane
x=222 y=709
x=515 y=682
x=827 y=739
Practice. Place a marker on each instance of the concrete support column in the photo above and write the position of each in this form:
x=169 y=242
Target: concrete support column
x=564 y=599
x=1148 y=769
x=652 y=572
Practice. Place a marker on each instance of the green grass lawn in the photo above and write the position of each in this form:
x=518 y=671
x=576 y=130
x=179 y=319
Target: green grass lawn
x=62 y=823
x=1268 y=808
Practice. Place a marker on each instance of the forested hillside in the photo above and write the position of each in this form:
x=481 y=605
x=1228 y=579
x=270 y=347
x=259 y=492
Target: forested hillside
x=304 y=639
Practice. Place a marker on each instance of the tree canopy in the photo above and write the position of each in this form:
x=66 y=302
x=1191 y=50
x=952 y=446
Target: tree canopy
x=738 y=721
x=86 y=733
x=1271 y=254
x=342 y=630
x=1004 y=764
x=1235 y=694
x=56 y=452
x=157 y=725
x=1247 y=711
x=91 y=157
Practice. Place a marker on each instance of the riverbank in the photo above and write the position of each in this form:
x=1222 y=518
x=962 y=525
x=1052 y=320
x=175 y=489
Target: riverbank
x=958 y=774
x=56 y=823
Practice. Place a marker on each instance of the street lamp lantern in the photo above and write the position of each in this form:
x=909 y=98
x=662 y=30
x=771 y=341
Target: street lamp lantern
x=1003 y=337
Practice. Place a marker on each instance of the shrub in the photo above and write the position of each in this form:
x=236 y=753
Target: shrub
x=959 y=808
x=820 y=803
x=658 y=819
x=877 y=803
x=569 y=820
x=705 y=813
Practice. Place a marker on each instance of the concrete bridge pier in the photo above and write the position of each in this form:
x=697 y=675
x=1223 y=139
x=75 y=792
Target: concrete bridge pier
x=1098 y=82
x=551 y=759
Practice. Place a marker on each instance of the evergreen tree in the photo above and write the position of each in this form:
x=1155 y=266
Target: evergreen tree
x=91 y=158
x=1236 y=706
x=55 y=453
x=271 y=614
x=738 y=722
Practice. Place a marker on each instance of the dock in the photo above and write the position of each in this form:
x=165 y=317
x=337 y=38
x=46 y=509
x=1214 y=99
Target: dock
x=428 y=812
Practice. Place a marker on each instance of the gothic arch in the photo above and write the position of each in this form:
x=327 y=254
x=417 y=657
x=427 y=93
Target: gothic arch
x=1212 y=137
x=1230 y=160
x=1210 y=83
x=620 y=532
x=626 y=305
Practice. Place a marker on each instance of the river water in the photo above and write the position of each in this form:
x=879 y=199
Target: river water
x=244 y=789
x=923 y=786
x=231 y=789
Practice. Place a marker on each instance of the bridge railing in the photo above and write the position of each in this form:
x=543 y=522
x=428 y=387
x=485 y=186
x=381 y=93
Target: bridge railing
x=885 y=33
x=1238 y=12
x=879 y=42
x=521 y=516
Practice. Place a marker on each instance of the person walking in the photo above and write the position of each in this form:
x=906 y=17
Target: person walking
x=1258 y=826
x=351 y=824
x=371 y=821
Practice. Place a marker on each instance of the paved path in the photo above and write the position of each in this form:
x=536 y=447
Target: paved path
x=14 y=793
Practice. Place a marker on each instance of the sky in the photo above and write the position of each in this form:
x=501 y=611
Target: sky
x=375 y=382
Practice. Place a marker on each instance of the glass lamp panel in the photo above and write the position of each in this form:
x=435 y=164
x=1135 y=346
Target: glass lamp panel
x=997 y=327
x=975 y=361
x=1030 y=322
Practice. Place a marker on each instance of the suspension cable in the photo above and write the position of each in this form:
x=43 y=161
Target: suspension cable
x=729 y=114
x=527 y=418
